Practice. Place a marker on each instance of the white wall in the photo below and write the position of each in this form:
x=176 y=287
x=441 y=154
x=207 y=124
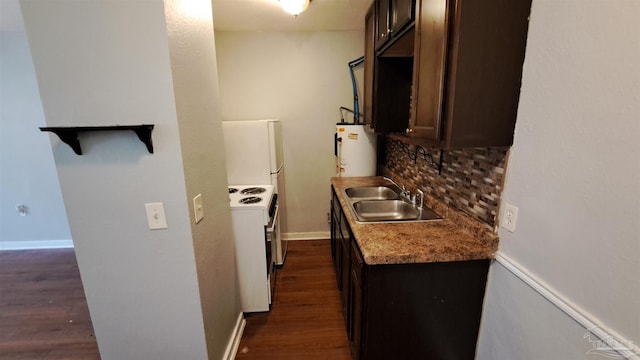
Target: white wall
x=301 y=78
x=195 y=83
x=574 y=173
x=152 y=294
x=27 y=171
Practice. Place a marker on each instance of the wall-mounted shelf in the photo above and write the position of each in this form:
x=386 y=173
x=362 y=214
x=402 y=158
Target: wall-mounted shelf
x=69 y=134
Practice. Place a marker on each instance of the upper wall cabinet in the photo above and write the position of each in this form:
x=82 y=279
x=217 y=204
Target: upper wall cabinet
x=392 y=17
x=402 y=14
x=369 y=59
x=388 y=69
x=452 y=77
x=467 y=71
x=383 y=22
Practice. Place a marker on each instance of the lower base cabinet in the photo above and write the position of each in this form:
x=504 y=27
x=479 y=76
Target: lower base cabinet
x=356 y=291
x=410 y=311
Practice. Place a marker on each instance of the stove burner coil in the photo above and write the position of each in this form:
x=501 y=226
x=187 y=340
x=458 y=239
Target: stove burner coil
x=253 y=191
x=232 y=190
x=250 y=200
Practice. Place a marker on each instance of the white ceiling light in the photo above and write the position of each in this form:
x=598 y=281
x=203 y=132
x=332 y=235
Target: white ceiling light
x=294 y=7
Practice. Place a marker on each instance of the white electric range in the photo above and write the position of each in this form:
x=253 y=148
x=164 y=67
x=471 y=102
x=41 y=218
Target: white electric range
x=254 y=214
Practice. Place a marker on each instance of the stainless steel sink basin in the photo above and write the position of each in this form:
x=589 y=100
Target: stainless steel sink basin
x=391 y=210
x=376 y=210
x=372 y=192
x=384 y=204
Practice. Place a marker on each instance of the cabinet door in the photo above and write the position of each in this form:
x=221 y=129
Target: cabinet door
x=392 y=89
x=488 y=40
x=346 y=280
x=355 y=302
x=401 y=14
x=345 y=265
x=369 y=63
x=355 y=318
x=383 y=23
x=429 y=69
x=335 y=225
x=335 y=238
x=338 y=262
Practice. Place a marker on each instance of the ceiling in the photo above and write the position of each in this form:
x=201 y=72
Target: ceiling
x=266 y=15
x=253 y=15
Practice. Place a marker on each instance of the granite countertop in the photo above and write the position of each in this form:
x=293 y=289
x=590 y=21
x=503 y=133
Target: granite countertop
x=454 y=238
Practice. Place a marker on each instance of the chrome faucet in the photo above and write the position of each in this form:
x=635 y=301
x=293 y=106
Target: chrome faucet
x=393 y=182
x=406 y=194
x=403 y=191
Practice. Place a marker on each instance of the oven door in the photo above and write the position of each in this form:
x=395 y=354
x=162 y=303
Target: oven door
x=271 y=233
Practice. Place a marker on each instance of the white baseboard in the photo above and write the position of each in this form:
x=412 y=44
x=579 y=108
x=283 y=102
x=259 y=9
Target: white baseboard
x=609 y=338
x=33 y=245
x=318 y=235
x=234 y=341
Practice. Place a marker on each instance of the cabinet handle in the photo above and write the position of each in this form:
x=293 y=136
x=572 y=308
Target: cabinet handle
x=409 y=131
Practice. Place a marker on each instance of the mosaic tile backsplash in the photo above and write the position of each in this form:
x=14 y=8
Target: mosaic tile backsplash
x=471 y=180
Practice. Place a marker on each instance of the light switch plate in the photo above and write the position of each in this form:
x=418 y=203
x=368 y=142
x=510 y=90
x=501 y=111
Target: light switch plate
x=198 y=209
x=509 y=218
x=155 y=216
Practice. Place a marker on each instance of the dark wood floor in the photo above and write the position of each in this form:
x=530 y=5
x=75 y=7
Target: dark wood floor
x=44 y=314
x=43 y=310
x=306 y=320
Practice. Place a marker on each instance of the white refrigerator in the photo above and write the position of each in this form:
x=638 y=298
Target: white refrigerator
x=254 y=157
x=355 y=150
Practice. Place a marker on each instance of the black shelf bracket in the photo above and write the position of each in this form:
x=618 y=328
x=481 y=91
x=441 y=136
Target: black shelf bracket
x=69 y=134
x=429 y=158
x=406 y=148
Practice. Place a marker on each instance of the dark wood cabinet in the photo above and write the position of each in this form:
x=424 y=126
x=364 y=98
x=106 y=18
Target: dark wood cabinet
x=388 y=69
x=409 y=311
x=356 y=305
x=429 y=70
x=452 y=77
x=383 y=22
x=369 y=60
x=392 y=87
x=392 y=17
x=345 y=265
x=335 y=223
x=402 y=14
x=341 y=238
x=422 y=311
x=468 y=70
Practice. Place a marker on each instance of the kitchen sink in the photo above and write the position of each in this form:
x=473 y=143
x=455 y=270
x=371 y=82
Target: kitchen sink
x=372 y=210
x=372 y=192
x=391 y=210
x=384 y=204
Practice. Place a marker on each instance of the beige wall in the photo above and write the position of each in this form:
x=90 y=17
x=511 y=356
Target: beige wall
x=301 y=78
x=195 y=85
x=574 y=174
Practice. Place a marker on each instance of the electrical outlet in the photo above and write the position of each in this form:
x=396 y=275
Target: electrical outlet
x=22 y=210
x=509 y=217
x=155 y=216
x=198 y=209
